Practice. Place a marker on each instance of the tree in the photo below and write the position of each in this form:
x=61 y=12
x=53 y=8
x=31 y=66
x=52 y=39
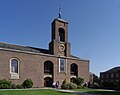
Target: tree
x=96 y=79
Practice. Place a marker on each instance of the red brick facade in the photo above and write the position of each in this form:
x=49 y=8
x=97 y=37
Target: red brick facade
x=31 y=64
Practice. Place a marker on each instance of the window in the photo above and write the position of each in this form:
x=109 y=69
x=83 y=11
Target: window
x=61 y=34
x=112 y=75
x=102 y=75
x=62 y=65
x=74 y=69
x=14 y=66
x=117 y=80
x=48 y=67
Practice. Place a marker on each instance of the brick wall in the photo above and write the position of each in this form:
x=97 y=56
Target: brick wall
x=32 y=66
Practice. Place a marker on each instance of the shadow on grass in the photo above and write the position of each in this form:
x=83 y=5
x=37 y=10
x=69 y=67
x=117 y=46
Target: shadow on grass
x=68 y=93
x=104 y=92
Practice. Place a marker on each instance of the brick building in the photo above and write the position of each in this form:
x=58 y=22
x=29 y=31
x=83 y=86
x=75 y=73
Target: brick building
x=44 y=67
x=111 y=76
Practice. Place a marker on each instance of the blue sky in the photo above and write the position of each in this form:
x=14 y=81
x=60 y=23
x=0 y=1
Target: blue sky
x=94 y=27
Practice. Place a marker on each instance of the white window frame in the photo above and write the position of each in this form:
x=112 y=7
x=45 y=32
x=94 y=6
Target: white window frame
x=65 y=64
x=14 y=75
x=112 y=75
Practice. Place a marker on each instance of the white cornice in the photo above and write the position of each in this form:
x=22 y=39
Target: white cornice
x=42 y=54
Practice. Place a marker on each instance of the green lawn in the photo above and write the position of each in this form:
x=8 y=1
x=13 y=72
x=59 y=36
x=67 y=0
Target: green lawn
x=99 y=92
x=33 y=92
x=54 y=92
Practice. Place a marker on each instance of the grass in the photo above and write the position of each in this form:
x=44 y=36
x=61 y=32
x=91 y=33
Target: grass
x=33 y=92
x=54 y=92
x=99 y=91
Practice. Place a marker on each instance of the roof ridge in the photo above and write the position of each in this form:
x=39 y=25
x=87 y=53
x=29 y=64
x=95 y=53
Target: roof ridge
x=23 y=48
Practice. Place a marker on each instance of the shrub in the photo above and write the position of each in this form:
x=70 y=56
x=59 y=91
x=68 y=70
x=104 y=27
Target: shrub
x=28 y=83
x=78 y=81
x=13 y=86
x=69 y=86
x=64 y=82
x=80 y=87
x=5 y=84
x=63 y=86
x=19 y=86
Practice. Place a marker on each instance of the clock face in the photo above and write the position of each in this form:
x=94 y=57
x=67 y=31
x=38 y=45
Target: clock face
x=61 y=47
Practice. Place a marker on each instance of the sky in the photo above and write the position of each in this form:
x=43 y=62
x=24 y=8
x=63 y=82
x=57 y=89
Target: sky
x=94 y=27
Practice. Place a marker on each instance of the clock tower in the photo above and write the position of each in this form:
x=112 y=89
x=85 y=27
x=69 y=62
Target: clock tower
x=59 y=44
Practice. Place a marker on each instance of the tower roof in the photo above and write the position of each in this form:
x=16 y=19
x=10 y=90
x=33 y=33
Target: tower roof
x=61 y=20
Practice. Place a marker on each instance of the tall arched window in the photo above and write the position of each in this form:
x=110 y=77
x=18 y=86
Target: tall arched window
x=48 y=67
x=74 y=69
x=61 y=34
x=14 y=66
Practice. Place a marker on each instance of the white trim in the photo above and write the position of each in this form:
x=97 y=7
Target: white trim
x=65 y=64
x=59 y=65
x=42 y=54
x=47 y=76
x=63 y=21
x=28 y=52
x=73 y=77
x=62 y=27
x=14 y=75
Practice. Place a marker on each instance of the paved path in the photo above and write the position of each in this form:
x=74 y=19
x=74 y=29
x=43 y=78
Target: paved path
x=76 y=92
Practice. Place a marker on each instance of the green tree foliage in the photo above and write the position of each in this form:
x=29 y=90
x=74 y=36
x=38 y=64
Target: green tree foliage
x=28 y=83
x=5 y=84
x=96 y=79
x=69 y=86
x=64 y=81
x=78 y=81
